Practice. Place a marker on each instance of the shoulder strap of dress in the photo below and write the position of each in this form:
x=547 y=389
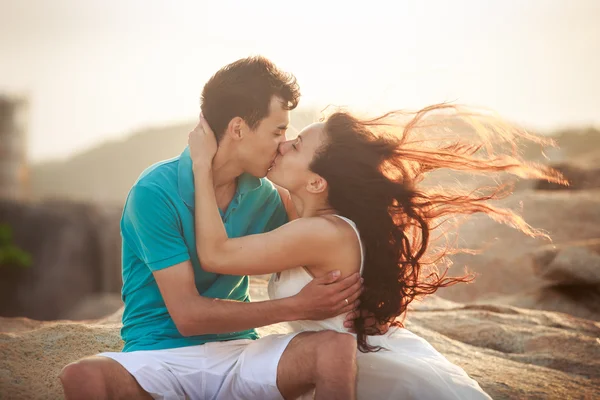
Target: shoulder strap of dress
x=362 y=251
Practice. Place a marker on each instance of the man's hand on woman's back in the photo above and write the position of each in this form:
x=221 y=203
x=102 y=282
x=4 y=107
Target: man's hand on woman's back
x=328 y=296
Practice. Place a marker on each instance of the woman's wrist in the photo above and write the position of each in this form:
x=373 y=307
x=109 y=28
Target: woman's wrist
x=201 y=166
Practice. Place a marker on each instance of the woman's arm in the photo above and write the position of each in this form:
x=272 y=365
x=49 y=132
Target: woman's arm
x=306 y=241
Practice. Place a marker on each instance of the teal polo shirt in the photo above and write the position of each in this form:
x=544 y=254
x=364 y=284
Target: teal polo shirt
x=157 y=228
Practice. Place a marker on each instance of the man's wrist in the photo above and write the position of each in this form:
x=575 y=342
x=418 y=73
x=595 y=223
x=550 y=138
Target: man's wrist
x=292 y=310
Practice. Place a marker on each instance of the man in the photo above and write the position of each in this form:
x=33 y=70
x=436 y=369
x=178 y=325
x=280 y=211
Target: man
x=189 y=333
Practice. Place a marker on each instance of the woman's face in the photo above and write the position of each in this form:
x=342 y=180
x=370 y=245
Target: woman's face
x=290 y=168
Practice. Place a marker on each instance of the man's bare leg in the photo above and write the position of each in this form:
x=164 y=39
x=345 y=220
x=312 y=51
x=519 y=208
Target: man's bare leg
x=323 y=360
x=99 y=378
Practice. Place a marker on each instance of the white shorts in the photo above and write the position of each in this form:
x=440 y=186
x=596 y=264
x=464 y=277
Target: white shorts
x=237 y=369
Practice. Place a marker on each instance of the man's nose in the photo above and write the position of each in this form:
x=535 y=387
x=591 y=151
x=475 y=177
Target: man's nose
x=284 y=147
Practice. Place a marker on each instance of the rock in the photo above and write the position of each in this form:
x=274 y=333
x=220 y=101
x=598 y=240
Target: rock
x=433 y=303
x=32 y=356
x=582 y=301
x=579 y=178
x=511 y=352
x=95 y=306
x=569 y=264
x=571 y=280
x=76 y=251
x=517 y=353
x=504 y=265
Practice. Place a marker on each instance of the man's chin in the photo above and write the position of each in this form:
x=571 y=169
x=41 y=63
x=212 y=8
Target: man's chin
x=269 y=172
x=265 y=173
x=272 y=177
x=257 y=173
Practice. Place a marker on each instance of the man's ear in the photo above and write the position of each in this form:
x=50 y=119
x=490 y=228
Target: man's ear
x=236 y=128
x=317 y=184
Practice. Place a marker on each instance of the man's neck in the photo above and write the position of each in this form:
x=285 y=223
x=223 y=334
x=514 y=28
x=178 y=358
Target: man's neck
x=225 y=172
x=225 y=169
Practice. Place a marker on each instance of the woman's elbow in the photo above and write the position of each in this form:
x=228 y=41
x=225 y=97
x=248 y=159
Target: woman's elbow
x=208 y=267
x=209 y=262
x=215 y=258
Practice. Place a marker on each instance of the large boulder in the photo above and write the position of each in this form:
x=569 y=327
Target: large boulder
x=571 y=275
x=76 y=251
x=573 y=263
x=512 y=353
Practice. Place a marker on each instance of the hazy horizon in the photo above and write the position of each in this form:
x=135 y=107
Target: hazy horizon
x=98 y=71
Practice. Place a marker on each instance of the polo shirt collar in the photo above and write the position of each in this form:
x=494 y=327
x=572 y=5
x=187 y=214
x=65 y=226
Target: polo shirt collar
x=185 y=176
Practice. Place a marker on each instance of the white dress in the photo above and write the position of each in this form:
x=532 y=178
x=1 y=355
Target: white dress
x=407 y=368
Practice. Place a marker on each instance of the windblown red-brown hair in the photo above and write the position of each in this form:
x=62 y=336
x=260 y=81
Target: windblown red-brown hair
x=375 y=170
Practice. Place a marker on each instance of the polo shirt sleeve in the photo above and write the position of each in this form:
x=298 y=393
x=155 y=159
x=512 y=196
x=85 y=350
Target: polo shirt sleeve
x=279 y=216
x=150 y=228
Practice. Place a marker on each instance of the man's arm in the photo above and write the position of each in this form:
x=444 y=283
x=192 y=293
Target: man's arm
x=194 y=314
x=150 y=228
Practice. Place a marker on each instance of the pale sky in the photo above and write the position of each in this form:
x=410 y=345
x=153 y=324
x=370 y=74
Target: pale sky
x=96 y=70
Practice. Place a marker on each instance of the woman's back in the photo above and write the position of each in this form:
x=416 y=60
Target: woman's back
x=408 y=367
x=290 y=282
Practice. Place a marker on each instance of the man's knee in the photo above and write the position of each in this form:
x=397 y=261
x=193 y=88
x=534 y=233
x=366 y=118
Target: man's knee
x=83 y=379
x=309 y=351
x=338 y=348
x=337 y=341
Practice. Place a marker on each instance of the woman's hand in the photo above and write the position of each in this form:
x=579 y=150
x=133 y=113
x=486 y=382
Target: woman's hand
x=203 y=144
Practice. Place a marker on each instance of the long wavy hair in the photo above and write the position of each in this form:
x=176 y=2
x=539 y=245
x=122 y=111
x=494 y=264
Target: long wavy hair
x=375 y=170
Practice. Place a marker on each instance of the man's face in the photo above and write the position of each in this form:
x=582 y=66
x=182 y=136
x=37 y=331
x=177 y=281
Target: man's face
x=259 y=146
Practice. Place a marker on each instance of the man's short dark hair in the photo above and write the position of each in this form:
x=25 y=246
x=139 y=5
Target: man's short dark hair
x=244 y=89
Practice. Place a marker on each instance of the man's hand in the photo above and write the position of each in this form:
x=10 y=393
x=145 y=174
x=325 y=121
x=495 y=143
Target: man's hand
x=372 y=327
x=326 y=297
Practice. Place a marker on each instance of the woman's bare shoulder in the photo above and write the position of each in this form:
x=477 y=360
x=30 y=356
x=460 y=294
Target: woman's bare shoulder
x=344 y=253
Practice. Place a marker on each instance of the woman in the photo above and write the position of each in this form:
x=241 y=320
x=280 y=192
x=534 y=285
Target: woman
x=355 y=187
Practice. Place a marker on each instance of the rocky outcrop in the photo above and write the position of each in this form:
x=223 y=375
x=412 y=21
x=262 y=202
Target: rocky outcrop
x=571 y=280
x=506 y=264
x=572 y=263
x=76 y=251
x=578 y=301
x=517 y=353
x=513 y=353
